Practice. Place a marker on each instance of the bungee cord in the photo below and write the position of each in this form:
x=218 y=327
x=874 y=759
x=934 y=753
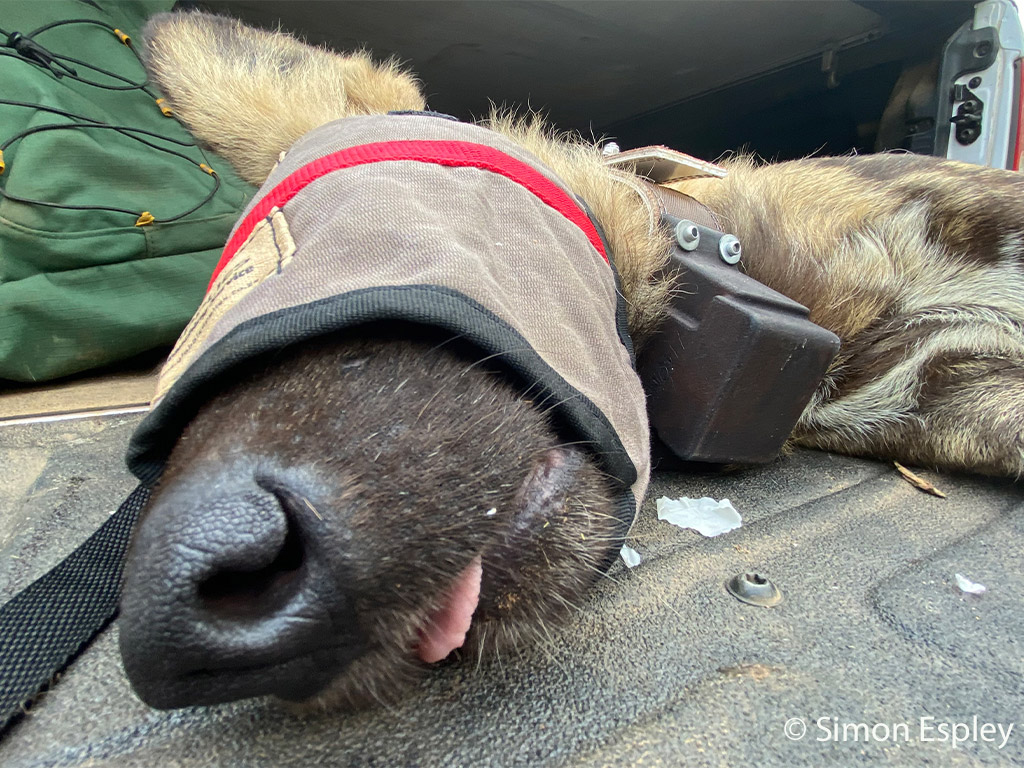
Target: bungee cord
x=26 y=48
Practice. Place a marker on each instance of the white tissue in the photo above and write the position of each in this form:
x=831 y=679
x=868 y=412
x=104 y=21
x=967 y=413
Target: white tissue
x=630 y=556
x=968 y=586
x=706 y=516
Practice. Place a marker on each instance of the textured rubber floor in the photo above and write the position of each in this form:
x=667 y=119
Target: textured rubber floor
x=661 y=667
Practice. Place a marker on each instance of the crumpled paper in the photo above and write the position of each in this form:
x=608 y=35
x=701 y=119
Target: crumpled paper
x=630 y=556
x=706 y=516
x=968 y=586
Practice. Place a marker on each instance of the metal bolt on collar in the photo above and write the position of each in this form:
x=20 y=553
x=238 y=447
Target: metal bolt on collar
x=729 y=249
x=687 y=235
x=753 y=588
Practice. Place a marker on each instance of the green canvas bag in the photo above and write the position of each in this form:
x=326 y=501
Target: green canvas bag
x=81 y=288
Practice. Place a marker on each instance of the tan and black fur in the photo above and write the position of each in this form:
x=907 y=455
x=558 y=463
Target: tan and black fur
x=914 y=262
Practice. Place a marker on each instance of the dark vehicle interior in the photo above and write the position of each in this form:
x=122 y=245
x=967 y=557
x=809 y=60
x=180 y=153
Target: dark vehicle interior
x=782 y=79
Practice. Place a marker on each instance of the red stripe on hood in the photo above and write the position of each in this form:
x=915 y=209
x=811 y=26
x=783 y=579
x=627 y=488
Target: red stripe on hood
x=455 y=154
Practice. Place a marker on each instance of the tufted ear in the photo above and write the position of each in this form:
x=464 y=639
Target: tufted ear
x=249 y=94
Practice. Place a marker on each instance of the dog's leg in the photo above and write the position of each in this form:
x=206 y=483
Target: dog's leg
x=973 y=417
x=945 y=388
x=267 y=86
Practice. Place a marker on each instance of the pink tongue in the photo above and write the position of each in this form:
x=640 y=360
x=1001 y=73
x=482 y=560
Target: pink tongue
x=446 y=630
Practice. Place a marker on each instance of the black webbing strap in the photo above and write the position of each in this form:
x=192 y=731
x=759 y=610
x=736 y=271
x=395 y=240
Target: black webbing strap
x=48 y=623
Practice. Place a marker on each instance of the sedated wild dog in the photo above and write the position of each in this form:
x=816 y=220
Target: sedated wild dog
x=339 y=510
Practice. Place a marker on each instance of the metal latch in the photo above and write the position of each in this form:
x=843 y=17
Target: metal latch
x=968 y=115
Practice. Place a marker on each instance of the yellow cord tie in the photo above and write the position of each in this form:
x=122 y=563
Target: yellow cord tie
x=168 y=112
x=145 y=218
x=123 y=37
x=208 y=169
x=3 y=165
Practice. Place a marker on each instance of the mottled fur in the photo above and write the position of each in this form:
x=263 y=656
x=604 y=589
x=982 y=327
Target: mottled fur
x=217 y=72
x=914 y=262
x=639 y=250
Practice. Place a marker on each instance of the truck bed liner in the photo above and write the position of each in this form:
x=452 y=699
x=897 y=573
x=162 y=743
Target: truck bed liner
x=660 y=667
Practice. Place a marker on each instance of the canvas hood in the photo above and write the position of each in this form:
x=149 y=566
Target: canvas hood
x=420 y=218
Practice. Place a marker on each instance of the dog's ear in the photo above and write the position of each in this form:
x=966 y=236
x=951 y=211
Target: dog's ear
x=249 y=94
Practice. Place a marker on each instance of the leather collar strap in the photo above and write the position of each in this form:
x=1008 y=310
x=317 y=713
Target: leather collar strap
x=661 y=201
x=683 y=206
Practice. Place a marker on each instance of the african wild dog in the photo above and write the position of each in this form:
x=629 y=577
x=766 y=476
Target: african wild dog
x=352 y=505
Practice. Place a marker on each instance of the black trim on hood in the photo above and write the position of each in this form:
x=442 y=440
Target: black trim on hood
x=431 y=305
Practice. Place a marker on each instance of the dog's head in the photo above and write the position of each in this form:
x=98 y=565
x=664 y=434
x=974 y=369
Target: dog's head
x=405 y=412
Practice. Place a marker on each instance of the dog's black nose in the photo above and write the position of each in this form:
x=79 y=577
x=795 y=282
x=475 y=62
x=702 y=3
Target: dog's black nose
x=226 y=596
